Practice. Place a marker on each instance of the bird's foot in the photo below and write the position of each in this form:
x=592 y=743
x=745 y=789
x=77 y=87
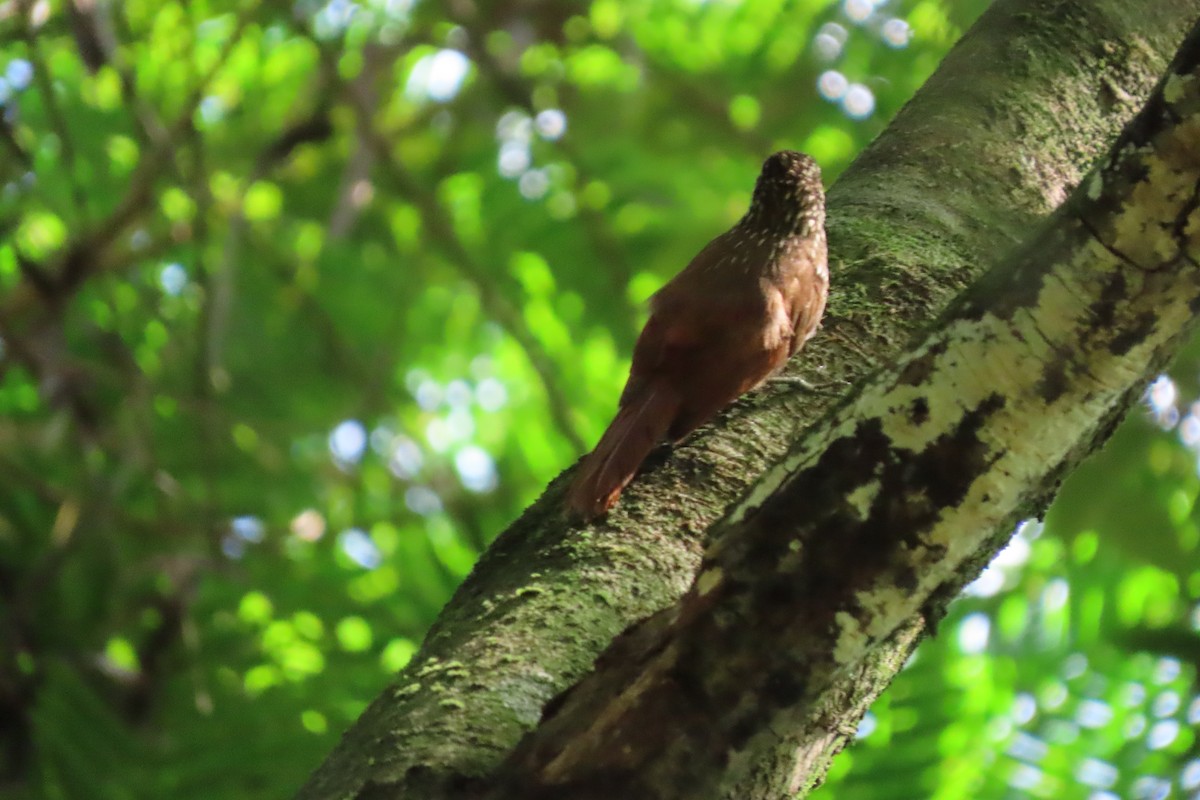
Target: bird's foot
x=834 y=387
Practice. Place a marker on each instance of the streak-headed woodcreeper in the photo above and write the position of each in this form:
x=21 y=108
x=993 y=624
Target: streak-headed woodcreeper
x=722 y=326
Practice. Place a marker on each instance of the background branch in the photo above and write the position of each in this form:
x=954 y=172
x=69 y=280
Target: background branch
x=491 y=296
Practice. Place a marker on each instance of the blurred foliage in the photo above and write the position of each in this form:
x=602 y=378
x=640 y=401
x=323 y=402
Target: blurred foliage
x=301 y=302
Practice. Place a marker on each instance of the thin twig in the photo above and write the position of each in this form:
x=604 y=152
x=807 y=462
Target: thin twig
x=492 y=299
x=29 y=311
x=147 y=170
x=608 y=250
x=58 y=121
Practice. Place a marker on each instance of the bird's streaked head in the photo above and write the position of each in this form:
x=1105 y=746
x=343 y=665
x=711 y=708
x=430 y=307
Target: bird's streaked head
x=788 y=191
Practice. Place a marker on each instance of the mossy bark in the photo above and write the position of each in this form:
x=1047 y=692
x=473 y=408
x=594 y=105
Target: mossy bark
x=1011 y=121
x=896 y=499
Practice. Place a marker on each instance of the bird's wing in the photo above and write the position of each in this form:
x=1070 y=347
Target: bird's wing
x=808 y=302
x=777 y=330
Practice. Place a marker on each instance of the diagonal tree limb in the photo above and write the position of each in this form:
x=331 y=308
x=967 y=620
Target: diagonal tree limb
x=1009 y=122
x=905 y=491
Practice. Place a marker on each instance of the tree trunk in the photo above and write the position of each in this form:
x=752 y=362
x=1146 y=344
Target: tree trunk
x=822 y=578
x=900 y=496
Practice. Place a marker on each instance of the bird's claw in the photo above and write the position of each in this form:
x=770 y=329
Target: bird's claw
x=833 y=388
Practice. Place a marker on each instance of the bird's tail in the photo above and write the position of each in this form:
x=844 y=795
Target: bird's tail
x=641 y=423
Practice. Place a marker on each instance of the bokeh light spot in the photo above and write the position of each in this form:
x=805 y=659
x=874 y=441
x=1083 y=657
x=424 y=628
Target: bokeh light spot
x=1024 y=708
x=988 y=584
x=1027 y=747
x=476 y=469
x=173 y=278
x=360 y=548
x=1025 y=776
x=514 y=158
x=406 y=458
x=18 y=73
x=1167 y=670
x=308 y=525
x=458 y=393
x=866 y=726
x=1150 y=787
x=422 y=500
x=1162 y=734
x=314 y=721
x=348 y=441
x=1193 y=712
x=858 y=102
x=248 y=528
x=354 y=634
x=829 y=41
x=1166 y=704
x=973 y=633
x=896 y=33
x=533 y=184
x=1096 y=773
x=1190 y=777
x=397 y=653
x=551 y=124
x=439 y=76
x=832 y=85
x=1161 y=397
x=1093 y=714
x=858 y=10
x=491 y=394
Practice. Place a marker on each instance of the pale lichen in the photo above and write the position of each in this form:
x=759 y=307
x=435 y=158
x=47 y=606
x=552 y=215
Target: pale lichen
x=851 y=640
x=862 y=498
x=709 y=580
x=1176 y=87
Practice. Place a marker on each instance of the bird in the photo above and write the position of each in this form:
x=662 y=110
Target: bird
x=724 y=324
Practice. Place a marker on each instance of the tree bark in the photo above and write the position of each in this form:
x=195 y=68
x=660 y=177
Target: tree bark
x=877 y=514
x=903 y=493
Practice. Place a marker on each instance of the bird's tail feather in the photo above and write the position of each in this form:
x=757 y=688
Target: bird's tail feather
x=641 y=423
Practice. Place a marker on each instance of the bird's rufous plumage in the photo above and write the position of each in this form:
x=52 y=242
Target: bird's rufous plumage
x=746 y=303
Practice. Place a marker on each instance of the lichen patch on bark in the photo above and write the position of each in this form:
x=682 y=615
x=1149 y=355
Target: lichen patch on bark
x=874 y=514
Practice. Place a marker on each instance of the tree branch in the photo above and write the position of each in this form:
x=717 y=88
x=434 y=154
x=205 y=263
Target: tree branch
x=493 y=300
x=31 y=311
x=58 y=121
x=606 y=249
x=986 y=148
x=904 y=493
